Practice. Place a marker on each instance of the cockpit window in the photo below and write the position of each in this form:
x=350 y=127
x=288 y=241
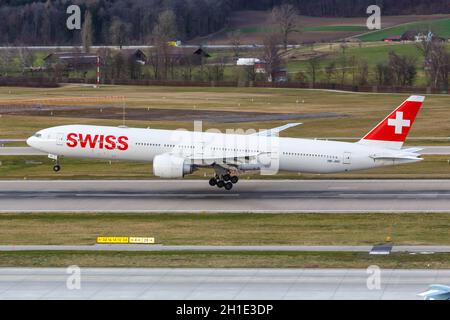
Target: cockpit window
x=38 y=135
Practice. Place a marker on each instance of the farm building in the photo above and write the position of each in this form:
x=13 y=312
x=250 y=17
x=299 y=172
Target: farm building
x=182 y=55
x=85 y=61
x=71 y=60
x=393 y=39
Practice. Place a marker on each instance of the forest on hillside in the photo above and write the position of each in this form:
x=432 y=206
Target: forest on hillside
x=33 y=22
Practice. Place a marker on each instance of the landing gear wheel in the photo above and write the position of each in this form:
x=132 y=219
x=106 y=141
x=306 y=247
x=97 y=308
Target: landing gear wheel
x=234 y=179
x=212 y=182
x=228 y=186
x=226 y=177
x=220 y=183
x=56 y=167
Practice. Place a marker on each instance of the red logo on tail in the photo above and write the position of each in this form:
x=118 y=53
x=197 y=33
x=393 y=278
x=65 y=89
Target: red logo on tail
x=396 y=126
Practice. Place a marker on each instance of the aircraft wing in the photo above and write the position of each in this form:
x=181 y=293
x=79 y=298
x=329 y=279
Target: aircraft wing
x=436 y=292
x=275 y=131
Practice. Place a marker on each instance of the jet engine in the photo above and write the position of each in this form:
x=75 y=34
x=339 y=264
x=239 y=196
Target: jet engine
x=169 y=166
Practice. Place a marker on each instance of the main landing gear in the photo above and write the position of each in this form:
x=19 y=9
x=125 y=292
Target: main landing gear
x=225 y=181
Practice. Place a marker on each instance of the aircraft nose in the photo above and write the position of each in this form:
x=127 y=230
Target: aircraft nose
x=31 y=141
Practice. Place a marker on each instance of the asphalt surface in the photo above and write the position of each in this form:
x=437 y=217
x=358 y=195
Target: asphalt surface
x=278 y=248
x=247 y=196
x=27 y=151
x=211 y=284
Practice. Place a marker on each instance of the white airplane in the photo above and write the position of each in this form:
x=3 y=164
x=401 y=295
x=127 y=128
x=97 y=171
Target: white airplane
x=176 y=153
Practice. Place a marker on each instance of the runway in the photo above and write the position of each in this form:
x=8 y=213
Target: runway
x=273 y=196
x=27 y=151
x=212 y=284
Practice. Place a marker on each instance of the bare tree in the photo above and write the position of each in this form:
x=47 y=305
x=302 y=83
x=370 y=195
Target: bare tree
x=271 y=54
x=363 y=72
x=403 y=69
x=313 y=68
x=286 y=17
x=86 y=32
x=163 y=32
x=119 y=32
x=330 y=71
x=26 y=57
x=6 y=59
x=436 y=63
x=235 y=40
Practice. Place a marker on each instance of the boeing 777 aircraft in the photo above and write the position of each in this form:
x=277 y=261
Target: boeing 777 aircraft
x=176 y=153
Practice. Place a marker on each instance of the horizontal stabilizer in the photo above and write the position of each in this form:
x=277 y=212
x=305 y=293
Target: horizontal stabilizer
x=412 y=150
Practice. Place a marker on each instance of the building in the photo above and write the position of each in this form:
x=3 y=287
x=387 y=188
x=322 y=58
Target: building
x=185 y=55
x=85 y=61
x=138 y=55
x=71 y=60
x=393 y=39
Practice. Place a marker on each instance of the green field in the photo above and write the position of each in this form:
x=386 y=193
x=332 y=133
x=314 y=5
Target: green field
x=325 y=28
x=225 y=229
x=439 y=27
x=370 y=52
x=360 y=112
x=228 y=228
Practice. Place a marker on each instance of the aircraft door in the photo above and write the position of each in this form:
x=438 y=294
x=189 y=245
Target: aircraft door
x=60 y=139
x=347 y=158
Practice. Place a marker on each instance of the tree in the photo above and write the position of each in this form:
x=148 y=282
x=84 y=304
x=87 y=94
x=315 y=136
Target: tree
x=163 y=32
x=403 y=69
x=166 y=26
x=363 y=72
x=436 y=63
x=86 y=32
x=271 y=54
x=383 y=74
x=330 y=71
x=119 y=32
x=285 y=16
x=313 y=68
x=235 y=41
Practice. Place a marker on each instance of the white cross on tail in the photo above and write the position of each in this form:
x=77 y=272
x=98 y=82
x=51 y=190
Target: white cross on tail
x=398 y=122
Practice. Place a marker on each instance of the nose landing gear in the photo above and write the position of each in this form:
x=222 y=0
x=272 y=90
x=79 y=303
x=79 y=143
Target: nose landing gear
x=56 y=166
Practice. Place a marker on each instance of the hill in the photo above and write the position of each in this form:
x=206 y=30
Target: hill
x=252 y=26
x=440 y=27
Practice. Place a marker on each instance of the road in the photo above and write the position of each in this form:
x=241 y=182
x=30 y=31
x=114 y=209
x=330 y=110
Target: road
x=247 y=196
x=27 y=151
x=212 y=284
x=278 y=248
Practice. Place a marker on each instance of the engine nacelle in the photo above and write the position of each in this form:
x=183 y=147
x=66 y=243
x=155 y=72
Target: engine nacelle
x=168 y=166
